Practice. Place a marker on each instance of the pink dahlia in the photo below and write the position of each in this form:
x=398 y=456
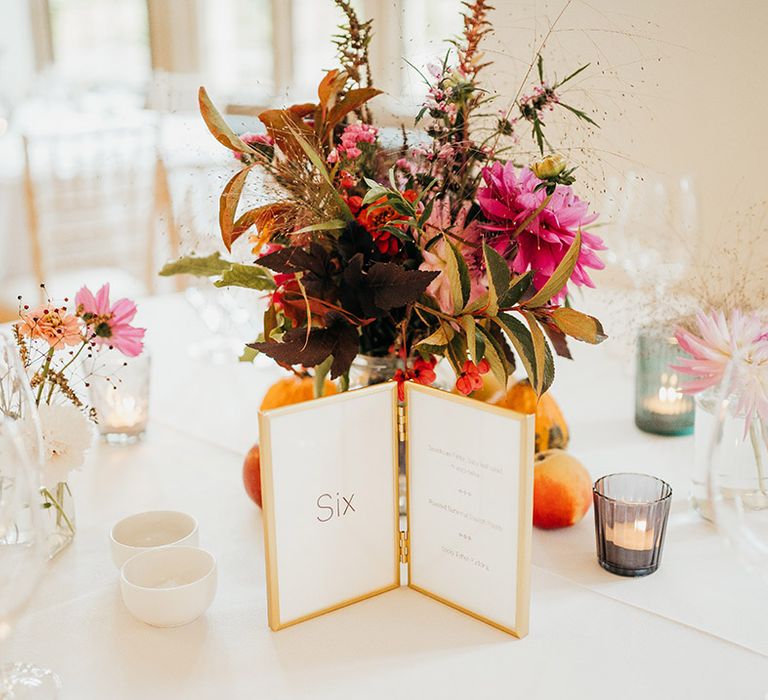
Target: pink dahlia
x=466 y=238
x=738 y=340
x=509 y=198
x=110 y=324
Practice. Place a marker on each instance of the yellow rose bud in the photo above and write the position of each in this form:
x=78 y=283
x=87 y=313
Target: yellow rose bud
x=550 y=167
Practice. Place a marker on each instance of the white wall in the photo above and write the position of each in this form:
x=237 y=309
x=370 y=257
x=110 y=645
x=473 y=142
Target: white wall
x=681 y=91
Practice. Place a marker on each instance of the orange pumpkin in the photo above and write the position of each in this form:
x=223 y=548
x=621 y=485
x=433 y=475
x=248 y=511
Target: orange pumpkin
x=293 y=389
x=551 y=428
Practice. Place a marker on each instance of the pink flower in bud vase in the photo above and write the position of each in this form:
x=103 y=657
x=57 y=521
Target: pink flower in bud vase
x=509 y=198
x=110 y=324
x=739 y=340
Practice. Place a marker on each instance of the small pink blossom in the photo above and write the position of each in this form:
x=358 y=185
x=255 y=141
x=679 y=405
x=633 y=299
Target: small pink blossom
x=353 y=135
x=333 y=156
x=435 y=70
x=446 y=151
x=255 y=139
x=405 y=165
x=251 y=138
x=110 y=323
x=352 y=152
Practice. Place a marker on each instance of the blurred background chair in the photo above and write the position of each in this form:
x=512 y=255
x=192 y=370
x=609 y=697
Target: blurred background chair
x=98 y=208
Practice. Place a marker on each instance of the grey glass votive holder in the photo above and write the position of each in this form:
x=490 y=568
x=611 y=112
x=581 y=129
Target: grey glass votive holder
x=631 y=512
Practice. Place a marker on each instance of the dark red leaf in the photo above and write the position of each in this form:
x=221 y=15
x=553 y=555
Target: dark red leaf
x=338 y=338
x=393 y=286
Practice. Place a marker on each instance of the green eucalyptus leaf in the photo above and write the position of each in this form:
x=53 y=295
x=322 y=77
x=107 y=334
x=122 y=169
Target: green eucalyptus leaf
x=249 y=354
x=479 y=304
x=468 y=325
x=459 y=276
x=331 y=225
x=559 y=277
x=247 y=276
x=521 y=340
x=440 y=338
x=517 y=288
x=495 y=356
x=374 y=193
x=539 y=350
x=498 y=270
x=457 y=352
x=321 y=372
x=209 y=266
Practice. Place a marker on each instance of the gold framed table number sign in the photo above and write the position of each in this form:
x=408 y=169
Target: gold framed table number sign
x=332 y=527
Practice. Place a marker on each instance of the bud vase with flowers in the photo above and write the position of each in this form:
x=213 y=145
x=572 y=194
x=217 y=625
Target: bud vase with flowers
x=728 y=366
x=53 y=341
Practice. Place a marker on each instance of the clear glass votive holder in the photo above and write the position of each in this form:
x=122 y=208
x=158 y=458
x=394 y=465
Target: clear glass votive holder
x=661 y=407
x=631 y=513
x=119 y=392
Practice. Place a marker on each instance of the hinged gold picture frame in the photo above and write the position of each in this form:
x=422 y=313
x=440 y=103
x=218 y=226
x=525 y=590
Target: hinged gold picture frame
x=330 y=472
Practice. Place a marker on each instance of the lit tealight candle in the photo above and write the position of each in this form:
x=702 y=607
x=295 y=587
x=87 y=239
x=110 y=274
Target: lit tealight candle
x=120 y=395
x=630 y=519
x=125 y=414
x=669 y=400
x=636 y=535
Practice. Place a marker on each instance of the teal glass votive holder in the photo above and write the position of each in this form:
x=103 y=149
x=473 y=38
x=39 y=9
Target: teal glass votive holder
x=661 y=407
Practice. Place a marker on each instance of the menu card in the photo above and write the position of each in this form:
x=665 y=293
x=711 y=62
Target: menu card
x=332 y=527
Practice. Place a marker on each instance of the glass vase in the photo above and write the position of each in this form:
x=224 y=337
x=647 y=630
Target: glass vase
x=737 y=477
x=660 y=407
x=16 y=400
x=367 y=370
x=58 y=506
x=738 y=456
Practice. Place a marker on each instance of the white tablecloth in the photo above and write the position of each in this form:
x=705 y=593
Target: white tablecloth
x=696 y=628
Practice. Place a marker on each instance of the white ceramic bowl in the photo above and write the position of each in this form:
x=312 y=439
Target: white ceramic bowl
x=169 y=586
x=155 y=528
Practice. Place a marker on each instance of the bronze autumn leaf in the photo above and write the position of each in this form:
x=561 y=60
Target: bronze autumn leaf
x=579 y=325
x=228 y=201
x=219 y=128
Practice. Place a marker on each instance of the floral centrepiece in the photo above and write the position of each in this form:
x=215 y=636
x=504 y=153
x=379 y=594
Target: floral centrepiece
x=439 y=247
x=54 y=341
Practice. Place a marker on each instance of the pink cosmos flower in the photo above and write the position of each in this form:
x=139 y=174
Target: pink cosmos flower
x=738 y=340
x=52 y=324
x=437 y=256
x=110 y=324
x=509 y=198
